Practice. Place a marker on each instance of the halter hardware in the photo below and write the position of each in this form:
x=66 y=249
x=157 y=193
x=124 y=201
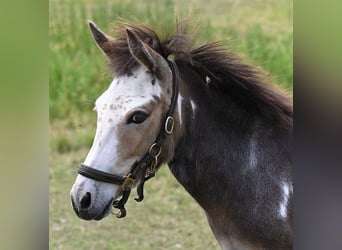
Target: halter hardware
x=154 y=150
x=128 y=182
x=169 y=125
x=148 y=164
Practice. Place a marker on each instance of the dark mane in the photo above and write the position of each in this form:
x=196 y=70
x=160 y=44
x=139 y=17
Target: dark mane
x=244 y=83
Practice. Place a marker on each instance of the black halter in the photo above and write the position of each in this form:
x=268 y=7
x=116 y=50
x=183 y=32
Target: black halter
x=147 y=165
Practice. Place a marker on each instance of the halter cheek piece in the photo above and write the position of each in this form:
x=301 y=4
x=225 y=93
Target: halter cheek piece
x=147 y=165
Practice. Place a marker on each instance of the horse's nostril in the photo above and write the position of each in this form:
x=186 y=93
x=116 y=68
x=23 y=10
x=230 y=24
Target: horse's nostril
x=86 y=200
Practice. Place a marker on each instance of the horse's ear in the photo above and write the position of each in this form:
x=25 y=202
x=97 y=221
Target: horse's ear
x=146 y=56
x=105 y=42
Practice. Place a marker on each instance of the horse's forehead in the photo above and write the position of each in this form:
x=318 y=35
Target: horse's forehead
x=129 y=91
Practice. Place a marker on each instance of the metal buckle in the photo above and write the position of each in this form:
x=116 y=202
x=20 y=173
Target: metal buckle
x=153 y=167
x=169 y=125
x=154 y=151
x=128 y=181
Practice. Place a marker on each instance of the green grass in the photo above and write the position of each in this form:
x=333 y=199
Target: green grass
x=260 y=31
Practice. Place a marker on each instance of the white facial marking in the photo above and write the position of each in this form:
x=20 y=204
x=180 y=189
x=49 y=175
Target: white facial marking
x=287 y=189
x=124 y=94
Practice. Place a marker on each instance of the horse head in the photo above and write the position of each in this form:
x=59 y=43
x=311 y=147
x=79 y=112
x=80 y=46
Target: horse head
x=130 y=115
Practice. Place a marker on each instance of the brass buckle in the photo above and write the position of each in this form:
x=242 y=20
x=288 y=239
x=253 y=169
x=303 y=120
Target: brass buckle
x=153 y=167
x=128 y=181
x=154 y=151
x=169 y=125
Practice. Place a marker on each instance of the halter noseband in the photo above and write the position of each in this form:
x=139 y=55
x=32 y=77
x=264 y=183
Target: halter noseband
x=147 y=165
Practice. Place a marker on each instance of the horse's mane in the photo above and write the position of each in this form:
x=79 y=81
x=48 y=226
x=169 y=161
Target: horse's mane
x=244 y=83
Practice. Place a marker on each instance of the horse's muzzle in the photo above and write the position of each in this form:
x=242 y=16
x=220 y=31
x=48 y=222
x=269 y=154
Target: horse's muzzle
x=84 y=211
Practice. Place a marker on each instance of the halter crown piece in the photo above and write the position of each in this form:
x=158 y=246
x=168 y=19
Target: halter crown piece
x=147 y=165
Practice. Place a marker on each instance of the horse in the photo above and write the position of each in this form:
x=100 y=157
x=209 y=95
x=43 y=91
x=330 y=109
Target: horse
x=223 y=129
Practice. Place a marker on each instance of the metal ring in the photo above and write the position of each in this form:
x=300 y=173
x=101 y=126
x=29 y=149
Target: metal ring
x=155 y=147
x=169 y=119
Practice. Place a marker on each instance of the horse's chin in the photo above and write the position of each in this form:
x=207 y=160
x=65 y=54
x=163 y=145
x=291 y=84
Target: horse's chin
x=106 y=211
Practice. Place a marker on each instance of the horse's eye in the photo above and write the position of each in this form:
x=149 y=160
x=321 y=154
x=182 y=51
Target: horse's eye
x=137 y=117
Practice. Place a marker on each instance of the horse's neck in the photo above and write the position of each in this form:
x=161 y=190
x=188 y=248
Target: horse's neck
x=218 y=138
x=208 y=123
x=204 y=150
x=219 y=158
x=228 y=161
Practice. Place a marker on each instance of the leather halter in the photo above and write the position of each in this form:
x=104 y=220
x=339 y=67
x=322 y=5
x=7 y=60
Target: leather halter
x=147 y=165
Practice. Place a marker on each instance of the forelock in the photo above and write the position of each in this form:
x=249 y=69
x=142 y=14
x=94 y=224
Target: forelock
x=176 y=43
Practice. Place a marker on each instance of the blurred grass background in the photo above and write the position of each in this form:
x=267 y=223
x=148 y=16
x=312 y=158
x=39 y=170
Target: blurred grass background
x=261 y=31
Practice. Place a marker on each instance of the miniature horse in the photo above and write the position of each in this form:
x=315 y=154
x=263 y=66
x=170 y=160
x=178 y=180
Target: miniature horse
x=223 y=130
